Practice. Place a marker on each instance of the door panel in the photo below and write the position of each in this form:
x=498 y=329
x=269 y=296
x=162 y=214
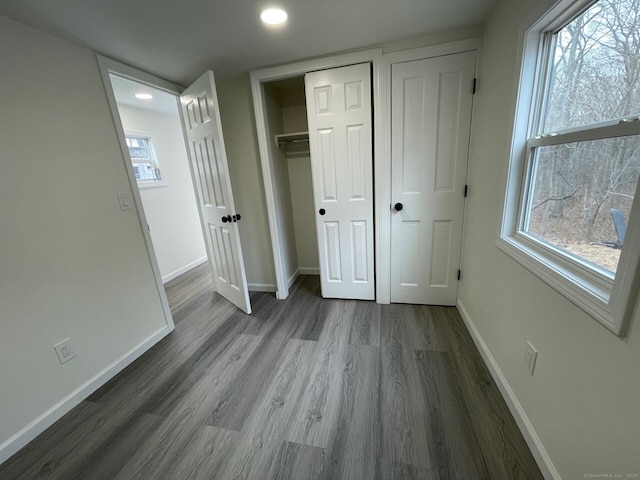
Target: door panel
x=440 y=254
x=359 y=251
x=215 y=198
x=332 y=242
x=327 y=159
x=431 y=117
x=410 y=233
x=340 y=138
x=356 y=164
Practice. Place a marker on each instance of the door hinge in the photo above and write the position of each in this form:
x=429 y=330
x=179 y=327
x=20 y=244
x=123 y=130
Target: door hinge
x=466 y=191
x=475 y=84
x=459 y=274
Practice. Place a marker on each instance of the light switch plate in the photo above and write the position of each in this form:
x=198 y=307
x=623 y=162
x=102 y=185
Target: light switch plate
x=125 y=201
x=530 y=357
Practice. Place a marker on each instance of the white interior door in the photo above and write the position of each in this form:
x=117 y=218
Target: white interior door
x=340 y=139
x=208 y=159
x=431 y=104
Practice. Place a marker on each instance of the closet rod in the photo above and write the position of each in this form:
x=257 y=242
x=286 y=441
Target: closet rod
x=283 y=141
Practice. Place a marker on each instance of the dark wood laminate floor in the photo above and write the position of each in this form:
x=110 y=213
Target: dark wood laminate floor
x=302 y=389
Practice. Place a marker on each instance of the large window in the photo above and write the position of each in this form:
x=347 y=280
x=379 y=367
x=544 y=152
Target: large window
x=581 y=155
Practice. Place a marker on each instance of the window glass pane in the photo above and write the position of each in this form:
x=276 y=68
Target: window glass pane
x=581 y=196
x=138 y=148
x=145 y=166
x=146 y=171
x=596 y=67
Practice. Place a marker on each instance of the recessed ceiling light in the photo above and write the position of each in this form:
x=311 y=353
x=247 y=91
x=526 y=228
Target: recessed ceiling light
x=273 y=16
x=144 y=96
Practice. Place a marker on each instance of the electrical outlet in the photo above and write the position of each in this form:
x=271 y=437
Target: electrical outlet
x=64 y=350
x=530 y=357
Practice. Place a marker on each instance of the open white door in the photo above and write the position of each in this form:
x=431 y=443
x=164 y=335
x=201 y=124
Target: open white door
x=340 y=139
x=209 y=167
x=431 y=118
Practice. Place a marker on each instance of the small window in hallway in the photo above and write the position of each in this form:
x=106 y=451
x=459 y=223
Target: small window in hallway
x=143 y=160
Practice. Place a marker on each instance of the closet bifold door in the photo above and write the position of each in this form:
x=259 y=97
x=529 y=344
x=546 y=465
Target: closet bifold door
x=340 y=140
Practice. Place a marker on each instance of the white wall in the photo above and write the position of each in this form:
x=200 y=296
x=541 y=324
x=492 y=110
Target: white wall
x=238 y=126
x=294 y=119
x=280 y=172
x=71 y=263
x=304 y=214
x=434 y=38
x=171 y=209
x=584 y=399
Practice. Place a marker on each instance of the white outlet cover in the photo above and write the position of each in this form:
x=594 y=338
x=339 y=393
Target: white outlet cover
x=64 y=350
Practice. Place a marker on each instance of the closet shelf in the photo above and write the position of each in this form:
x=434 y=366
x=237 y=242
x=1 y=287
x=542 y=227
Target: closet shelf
x=293 y=144
x=289 y=138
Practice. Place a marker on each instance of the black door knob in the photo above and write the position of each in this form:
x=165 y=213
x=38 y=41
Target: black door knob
x=226 y=219
x=322 y=211
x=398 y=207
x=238 y=217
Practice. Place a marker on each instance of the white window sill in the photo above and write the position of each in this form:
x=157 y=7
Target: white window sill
x=151 y=184
x=590 y=294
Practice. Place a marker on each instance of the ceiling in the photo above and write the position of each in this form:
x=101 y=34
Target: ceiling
x=125 y=91
x=179 y=39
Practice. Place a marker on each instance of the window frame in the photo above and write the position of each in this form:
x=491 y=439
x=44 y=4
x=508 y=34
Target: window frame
x=149 y=138
x=607 y=298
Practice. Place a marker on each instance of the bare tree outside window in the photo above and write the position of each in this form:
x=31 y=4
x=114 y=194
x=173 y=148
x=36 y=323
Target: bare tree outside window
x=581 y=192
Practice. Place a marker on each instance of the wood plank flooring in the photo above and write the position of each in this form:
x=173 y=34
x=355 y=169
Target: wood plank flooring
x=302 y=389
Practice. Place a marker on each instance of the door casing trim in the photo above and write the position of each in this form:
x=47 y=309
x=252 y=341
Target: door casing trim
x=416 y=54
x=258 y=77
x=109 y=66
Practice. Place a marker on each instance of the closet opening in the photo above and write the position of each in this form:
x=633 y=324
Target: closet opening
x=288 y=138
x=312 y=224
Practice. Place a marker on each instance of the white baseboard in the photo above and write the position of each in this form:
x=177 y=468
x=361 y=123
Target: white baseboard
x=540 y=454
x=309 y=270
x=57 y=411
x=262 y=287
x=186 y=268
x=292 y=278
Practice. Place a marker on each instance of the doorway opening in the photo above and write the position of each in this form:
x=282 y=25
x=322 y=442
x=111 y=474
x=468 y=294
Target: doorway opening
x=153 y=133
x=287 y=129
x=149 y=165
x=279 y=219
x=202 y=142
